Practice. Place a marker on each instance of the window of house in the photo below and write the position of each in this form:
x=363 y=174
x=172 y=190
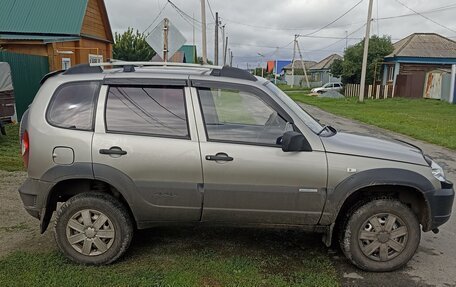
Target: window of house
x=240 y=117
x=72 y=106
x=66 y=63
x=95 y=58
x=156 y=111
x=390 y=73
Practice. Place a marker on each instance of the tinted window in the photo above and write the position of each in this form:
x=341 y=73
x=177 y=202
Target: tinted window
x=233 y=115
x=73 y=106
x=147 y=110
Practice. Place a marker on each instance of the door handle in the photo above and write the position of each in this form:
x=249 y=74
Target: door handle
x=113 y=151
x=219 y=157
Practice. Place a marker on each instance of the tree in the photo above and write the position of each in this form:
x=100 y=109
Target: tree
x=200 y=61
x=131 y=46
x=350 y=67
x=337 y=68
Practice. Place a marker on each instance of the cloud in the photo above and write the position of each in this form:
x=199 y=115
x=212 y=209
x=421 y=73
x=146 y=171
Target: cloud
x=256 y=26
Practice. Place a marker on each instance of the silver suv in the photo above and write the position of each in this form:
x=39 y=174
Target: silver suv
x=146 y=145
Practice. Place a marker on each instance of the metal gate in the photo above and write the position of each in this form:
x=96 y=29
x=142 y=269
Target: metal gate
x=26 y=72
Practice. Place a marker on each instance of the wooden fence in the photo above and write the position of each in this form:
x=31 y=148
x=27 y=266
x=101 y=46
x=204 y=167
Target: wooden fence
x=371 y=92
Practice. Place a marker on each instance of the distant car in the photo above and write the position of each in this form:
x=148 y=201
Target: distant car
x=328 y=87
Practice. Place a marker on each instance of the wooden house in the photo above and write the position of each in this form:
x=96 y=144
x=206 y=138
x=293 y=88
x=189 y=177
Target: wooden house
x=67 y=32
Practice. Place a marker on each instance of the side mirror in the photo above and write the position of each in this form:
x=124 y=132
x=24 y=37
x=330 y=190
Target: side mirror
x=294 y=141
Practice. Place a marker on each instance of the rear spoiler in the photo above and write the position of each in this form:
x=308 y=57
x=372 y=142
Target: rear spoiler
x=77 y=69
x=50 y=75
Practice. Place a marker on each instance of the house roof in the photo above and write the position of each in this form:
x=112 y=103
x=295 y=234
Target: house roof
x=298 y=65
x=424 y=45
x=326 y=62
x=50 y=17
x=190 y=53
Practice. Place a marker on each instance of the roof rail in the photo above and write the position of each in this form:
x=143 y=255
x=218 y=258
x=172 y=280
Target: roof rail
x=153 y=64
x=93 y=68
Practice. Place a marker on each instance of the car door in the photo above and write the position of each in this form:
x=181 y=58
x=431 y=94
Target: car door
x=247 y=176
x=145 y=141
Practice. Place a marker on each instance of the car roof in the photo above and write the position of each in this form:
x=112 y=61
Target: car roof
x=156 y=71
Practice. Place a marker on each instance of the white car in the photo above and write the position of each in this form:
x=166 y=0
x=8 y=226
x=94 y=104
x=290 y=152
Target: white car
x=328 y=87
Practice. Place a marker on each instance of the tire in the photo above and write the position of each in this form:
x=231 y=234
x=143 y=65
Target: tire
x=92 y=245
x=381 y=235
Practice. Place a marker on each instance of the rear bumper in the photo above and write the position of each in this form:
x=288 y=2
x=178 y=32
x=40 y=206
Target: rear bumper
x=34 y=195
x=441 y=204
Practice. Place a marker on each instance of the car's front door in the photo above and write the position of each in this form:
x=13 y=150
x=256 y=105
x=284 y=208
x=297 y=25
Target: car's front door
x=247 y=176
x=145 y=144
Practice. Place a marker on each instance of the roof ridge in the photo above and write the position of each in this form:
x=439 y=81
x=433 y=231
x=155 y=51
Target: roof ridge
x=411 y=36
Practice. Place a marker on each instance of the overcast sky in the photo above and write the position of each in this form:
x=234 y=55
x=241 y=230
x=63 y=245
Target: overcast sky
x=260 y=26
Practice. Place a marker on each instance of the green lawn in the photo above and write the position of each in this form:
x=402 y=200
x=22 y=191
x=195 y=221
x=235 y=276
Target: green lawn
x=295 y=88
x=190 y=258
x=428 y=120
x=10 y=150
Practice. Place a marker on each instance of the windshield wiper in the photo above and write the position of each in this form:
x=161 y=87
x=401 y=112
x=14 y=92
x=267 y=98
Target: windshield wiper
x=329 y=128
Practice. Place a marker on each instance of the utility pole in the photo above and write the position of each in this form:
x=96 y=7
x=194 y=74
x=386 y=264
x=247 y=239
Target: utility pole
x=223 y=46
x=366 y=50
x=231 y=58
x=225 y=51
x=293 y=61
x=346 y=40
x=216 y=44
x=302 y=63
x=203 y=28
x=165 y=39
x=193 y=29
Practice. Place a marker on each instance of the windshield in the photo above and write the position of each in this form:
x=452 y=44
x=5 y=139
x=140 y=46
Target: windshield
x=303 y=115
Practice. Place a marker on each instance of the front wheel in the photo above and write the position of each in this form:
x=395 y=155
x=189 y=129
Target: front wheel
x=381 y=235
x=93 y=228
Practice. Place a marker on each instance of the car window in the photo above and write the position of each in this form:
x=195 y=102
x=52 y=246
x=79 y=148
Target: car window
x=240 y=116
x=156 y=111
x=73 y=105
x=336 y=86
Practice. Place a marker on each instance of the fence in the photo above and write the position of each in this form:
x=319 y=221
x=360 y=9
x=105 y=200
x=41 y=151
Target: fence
x=26 y=73
x=372 y=91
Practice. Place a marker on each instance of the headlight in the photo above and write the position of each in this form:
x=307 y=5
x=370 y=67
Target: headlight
x=437 y=171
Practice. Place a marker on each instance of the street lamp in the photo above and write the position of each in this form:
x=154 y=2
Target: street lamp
x=262 y=56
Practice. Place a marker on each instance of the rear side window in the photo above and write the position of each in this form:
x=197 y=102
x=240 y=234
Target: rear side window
x=72 y=106
x=156 y=111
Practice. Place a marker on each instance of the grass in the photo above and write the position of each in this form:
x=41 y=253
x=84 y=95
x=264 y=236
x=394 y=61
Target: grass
x=428 y=120
x=211 y=260
x=10 y=150
x=295 y=88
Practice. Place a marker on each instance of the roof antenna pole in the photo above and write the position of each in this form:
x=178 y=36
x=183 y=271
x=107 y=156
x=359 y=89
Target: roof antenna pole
x=165 y=39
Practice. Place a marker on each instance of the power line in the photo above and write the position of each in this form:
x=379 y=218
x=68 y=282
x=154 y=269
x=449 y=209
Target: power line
x=440 y=9
x=425 y=17
x=210 y=9
x=334 y=21
x=155 y=19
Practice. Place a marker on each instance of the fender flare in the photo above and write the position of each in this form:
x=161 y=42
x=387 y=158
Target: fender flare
x=374 y=177
x=112 y=176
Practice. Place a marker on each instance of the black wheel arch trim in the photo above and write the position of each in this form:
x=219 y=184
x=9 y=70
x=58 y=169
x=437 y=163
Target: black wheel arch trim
x=374 y=177
x=112 y=176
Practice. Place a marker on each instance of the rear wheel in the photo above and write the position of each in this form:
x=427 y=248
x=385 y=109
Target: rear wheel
x=93 y=228
x=381 y=235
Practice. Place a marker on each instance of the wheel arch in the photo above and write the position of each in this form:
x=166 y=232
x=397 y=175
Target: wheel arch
x=404 y=185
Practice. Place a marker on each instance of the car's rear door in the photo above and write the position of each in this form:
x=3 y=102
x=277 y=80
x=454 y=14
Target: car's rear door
x=247 y=176
x=145 y=141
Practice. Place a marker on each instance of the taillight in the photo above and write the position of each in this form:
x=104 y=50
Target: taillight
x=25 y=143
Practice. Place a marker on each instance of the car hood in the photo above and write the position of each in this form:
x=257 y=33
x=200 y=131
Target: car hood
x=345 y=143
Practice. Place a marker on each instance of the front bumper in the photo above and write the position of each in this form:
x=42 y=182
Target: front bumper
x=34 y=195
x=440 y=204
